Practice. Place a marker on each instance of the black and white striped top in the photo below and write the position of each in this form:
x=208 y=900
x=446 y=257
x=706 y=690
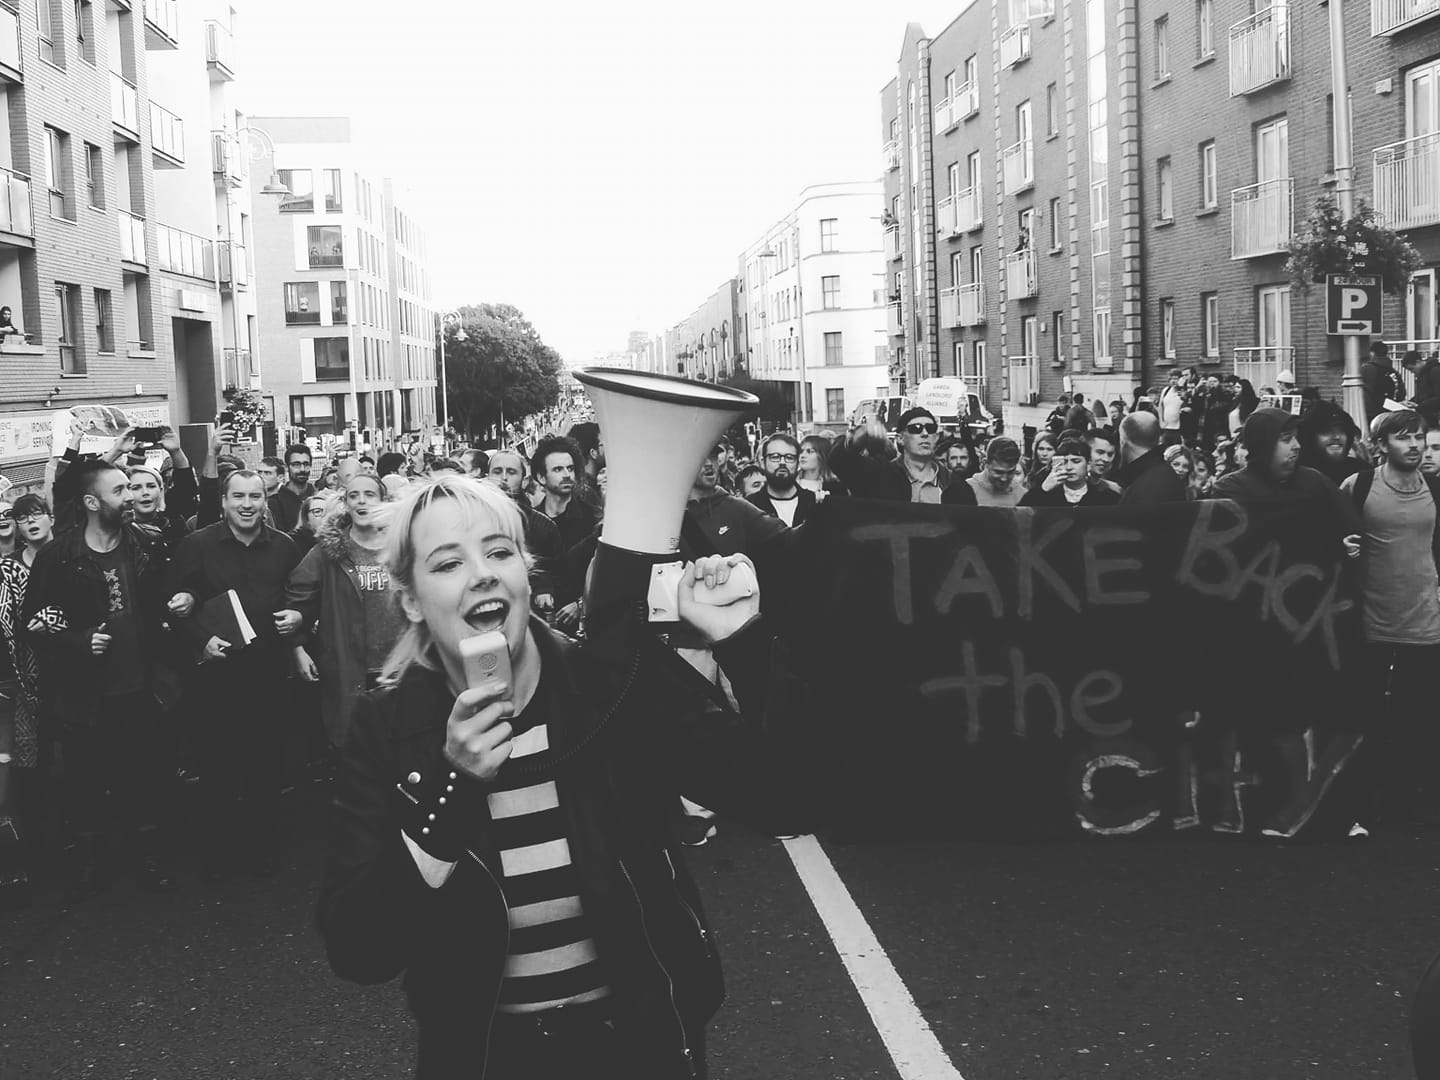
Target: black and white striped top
x=552 y=959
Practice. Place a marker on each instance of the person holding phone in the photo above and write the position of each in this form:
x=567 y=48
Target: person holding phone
x=505 y=845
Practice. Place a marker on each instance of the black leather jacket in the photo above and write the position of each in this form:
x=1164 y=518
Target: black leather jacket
x=668 y=734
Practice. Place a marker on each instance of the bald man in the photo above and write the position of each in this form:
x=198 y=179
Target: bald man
x=1144 y=473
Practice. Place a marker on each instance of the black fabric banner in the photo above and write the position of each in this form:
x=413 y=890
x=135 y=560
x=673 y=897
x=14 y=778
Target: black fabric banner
x=1112 y=671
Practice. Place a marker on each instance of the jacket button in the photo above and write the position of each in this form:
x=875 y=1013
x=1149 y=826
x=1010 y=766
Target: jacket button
x=413 y=778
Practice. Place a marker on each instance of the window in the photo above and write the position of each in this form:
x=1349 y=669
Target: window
x=1057 y=336
x=1165 y=185
x=977 y=262
x=835 y=405
x=834 y=350
x=326 y=245
x=45 y=17
x=301 y=183
x=830 y=292
x=57 y=145
x=104 y=322
x=1209 y=185
x=972 y=70
x=302 y=302
x=1162 y=48
x=84 y=30
x=1204 y=28
x=1057 y=226
x=1167 y=328
x=332 y=359
x=332 y=190
x=1052 y=110
x=829 y=228
x=339 y=303
x=1210 y=325
x=319 y=414
x=94 y=178
x=67 y=305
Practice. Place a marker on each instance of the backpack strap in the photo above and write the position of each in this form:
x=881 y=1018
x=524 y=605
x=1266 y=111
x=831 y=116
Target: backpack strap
x=1361 y=491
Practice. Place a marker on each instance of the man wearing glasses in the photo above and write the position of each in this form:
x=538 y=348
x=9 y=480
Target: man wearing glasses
x=782 y=496
x=916 y=475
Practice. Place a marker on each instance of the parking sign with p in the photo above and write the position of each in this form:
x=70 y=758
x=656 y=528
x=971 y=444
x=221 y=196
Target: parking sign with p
x=1352 y=304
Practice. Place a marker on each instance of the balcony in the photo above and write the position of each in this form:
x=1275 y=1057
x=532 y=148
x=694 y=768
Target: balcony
x=945 y=118
x=1024 y=380
x=969 y=214
x=895 y=319
x=1262 y=218
x=892 y=243
x=125 y=107
x=238 y=367
x=132 y=238
x=949 y=307
x=1390 y=16
x=1015 y=45
x=167 y=138
x=241 y=266
x=945 y=220
x=892 y=155
x=1407 y=182
x=219 y=52
x=1019 y=165
x=1022 y=281
x=180 y=252
x=970 y=300
x=966 y=102
x=1260 y=50
x=1260 y=364
x=162 y=24
x=10 y=67
x=1427 y=348
x=227 y=158
x=16 y=217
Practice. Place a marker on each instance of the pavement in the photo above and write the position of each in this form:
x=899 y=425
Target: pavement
x=1154 y=960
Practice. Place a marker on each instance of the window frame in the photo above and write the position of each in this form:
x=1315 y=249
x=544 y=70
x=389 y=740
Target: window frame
x=69 y=340
x=1210 y=325
x=1162 y=48
x=1165 y=188
x=834 y=348
x=1209 y=176
x=1167 y=327
x=828 y=235
x=830 y=292
x=1204 y=29
x=1057 y=236
x=104 y=321
x=94 y=176
x=315 y=251
x=295 y=315
x=341 y=342
x=296 y=201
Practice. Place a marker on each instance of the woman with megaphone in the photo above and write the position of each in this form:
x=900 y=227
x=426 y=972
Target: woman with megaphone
x=500 y=823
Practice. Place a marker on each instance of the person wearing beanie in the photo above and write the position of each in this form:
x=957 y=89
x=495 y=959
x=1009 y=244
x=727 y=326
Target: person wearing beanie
x=915 y=475
x=1327 y=441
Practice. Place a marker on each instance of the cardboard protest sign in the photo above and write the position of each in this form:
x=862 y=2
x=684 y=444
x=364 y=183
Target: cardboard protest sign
x=1110 y=671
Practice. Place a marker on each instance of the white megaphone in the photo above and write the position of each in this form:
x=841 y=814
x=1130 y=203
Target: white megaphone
x=657 y=431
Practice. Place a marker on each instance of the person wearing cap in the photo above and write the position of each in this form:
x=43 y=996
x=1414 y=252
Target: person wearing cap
x=1285 y=382
x=916 y=475
x=1381 y=383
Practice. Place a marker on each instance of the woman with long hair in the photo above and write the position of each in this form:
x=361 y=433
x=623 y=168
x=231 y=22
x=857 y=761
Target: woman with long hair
x=1042 y=452
x=815 y=471
x=504 y=842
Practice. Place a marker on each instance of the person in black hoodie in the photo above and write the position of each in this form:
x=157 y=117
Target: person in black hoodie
x=1327 y=441
x=1426 y=398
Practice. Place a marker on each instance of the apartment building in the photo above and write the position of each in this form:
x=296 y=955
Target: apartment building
x=111 y=214
x=705 y=344
x=1080 y=194
x=346 y=319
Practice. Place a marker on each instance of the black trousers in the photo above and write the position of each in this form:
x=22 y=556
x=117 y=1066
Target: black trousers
x=240 y=711
x=122 y=753
x=1402 y=694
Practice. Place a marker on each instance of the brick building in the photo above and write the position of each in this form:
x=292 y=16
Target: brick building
x=346 y=319
x=116 y=217
x=1081 y=194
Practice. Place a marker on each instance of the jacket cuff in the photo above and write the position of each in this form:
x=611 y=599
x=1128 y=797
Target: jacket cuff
x=438 y=813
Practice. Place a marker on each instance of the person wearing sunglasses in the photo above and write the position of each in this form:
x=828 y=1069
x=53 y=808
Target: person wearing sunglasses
x=915 y=475
x=7 y=530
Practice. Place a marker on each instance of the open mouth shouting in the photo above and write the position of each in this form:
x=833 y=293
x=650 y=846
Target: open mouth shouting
x=487 y=615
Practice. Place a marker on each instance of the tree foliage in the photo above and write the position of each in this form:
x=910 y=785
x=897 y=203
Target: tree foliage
x=500 y=370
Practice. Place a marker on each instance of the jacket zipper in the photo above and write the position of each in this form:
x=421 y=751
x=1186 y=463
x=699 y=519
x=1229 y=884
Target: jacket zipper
x=495 y=1006
x=699 y=926
x=669 y=982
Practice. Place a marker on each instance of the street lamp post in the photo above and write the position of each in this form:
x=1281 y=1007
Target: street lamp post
x=274 y=187
x=1352 y=389
x=450 y=318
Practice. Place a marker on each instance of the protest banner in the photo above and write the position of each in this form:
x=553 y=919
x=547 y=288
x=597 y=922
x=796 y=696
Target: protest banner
x=1111 y=671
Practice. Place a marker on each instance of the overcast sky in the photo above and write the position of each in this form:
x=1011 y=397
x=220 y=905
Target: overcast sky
x=598 y=165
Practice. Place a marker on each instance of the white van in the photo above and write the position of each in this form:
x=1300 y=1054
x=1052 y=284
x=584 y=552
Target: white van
x=956 y=406
x=887 y=410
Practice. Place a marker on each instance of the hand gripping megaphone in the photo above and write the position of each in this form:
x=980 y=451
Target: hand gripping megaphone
x=657 y=431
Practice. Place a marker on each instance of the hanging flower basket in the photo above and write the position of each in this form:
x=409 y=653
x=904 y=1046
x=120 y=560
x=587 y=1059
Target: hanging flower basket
x=246 y=406
x=1329 y=244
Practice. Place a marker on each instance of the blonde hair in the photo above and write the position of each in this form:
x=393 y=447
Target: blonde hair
x=475 y=499
x=150 y=470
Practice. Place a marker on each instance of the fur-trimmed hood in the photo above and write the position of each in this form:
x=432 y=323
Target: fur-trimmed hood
x=333 y=536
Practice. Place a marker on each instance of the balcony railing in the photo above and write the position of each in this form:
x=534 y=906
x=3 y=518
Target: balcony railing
x=162 y=24
x=1428 y=348
x=9 y=42
x=227 y=158
x=895 y=319
x=219 y=50
x=124 y=104
x=167 y=133
x=1262 y=218
x=969 y=214
x=892 y=155
x=1024 y=380
x=971 y=301
x=185 y=253
x=1260 y=49
x=892 y=243
x=132 y=237
x=16 y=215
x=1019 y=161
x=1261 y=363
x=1407 y=182
x=1021 y=277
x=945 y=117
x=238 y=367
x=1388 y=16
x=949 y=307
x=966 y=102
x=945 y=219
x=1015 y=45
x=239 y=264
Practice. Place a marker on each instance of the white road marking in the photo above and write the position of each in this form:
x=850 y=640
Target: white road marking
x=912 y=1045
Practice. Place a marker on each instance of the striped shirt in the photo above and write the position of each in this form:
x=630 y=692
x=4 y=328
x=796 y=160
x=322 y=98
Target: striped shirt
x=552 y=959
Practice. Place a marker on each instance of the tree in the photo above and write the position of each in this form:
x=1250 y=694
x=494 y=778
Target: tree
x=501 y=371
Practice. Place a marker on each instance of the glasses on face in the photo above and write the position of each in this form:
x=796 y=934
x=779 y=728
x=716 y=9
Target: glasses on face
x=791 y=458
x=921 y=429
x=7 y=515
x=317 y=511
x=33 y=515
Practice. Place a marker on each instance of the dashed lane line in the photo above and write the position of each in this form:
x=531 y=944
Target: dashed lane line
x=907 y=1036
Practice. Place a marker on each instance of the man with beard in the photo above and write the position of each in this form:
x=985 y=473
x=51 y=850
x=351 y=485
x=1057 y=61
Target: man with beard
x=285 y=502
x=1327 y=437
x=1401 y=612
x=542 y=538
x=588 y=489
x=237 y=690
x=556 y=464
x=782 y=496
x=1273 y=472
x=93 y=610
x=1430 y=463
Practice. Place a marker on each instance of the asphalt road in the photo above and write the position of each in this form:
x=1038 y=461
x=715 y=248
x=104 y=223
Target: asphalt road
x=1157 y=961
